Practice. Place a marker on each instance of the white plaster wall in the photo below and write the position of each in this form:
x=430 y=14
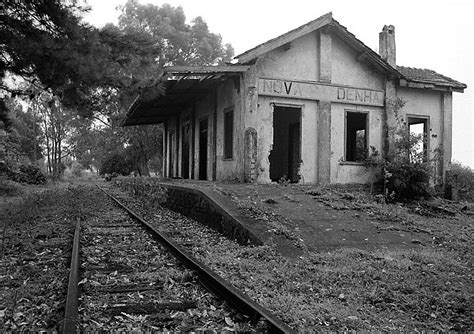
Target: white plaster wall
x=300 y=62
x=347 y=70
x=424 y=103
x=352 y=172
x=229 y=169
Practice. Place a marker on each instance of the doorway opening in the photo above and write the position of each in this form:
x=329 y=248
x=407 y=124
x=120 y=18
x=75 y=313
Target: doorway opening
x=172 y=153
x=203 y=130
x=185 y=150
x=285 y=157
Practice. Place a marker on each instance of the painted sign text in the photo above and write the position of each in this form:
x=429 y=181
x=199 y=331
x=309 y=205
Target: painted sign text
x=316 y=91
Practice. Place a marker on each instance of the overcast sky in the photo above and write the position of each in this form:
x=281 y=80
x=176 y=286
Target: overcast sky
x=435 y=34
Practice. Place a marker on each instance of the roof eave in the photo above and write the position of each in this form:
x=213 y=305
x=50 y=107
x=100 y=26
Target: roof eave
x=424 y=84
x=205 y=70
x=249 y=55
x=365 y=52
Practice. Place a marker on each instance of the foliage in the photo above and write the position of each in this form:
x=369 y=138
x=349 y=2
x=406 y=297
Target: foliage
x=464 y=180
x=76 y=169
x=45 y=43
x=180 y=44
x=67 y=68
x=116 y=163
x=406 y=171
x=28 y=129
x=30 y=174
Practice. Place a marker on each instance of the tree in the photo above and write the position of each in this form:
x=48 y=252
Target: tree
x=95 y=73
x=180 y=44
x=45 y=43
x=26 y=128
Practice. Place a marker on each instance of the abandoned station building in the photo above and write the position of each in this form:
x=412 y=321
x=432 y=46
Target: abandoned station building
x=301 y=106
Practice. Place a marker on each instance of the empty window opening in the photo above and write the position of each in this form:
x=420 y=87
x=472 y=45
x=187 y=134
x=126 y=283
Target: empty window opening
x=228 y=134
x=285 y=156
x=203 y=130
x=418 y=130
x=356 y=136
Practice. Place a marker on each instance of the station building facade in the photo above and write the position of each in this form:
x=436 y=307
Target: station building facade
x=300 y=107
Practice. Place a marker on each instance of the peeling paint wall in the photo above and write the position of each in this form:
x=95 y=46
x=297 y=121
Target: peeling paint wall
x=347 y=70
x=324 y=78
x=300 y=61
x=303 y=61
x=212 y=108
x=438 y=107
x=353 y=172
x=228 y=98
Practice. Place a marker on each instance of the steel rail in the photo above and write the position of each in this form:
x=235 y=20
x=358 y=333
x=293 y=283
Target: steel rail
x=72 y=298
x=209 y=278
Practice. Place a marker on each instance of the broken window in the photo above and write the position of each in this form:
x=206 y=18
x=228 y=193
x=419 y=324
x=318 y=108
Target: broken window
x=356 y=136
x=228 y=133
x=418 y=130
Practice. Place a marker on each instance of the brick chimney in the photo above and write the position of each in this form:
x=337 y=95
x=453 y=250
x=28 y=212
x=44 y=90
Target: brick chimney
x=387 y=48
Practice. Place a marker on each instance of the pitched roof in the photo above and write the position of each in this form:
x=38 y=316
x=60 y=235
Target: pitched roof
x=325 y=20
x=411 y=77
x=422 y=75
x=285 y=38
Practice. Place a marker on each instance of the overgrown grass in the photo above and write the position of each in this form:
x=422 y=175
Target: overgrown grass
x=351 y=289
x=9 y=188
x=422 y=289
x=464 y=181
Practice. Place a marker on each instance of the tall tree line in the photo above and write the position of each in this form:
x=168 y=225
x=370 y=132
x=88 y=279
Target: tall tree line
x=78 y=80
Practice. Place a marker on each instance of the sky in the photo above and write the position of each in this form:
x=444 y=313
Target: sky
x=436 y=35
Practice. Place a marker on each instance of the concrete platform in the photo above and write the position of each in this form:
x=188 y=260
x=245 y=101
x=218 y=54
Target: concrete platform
x=292 y=218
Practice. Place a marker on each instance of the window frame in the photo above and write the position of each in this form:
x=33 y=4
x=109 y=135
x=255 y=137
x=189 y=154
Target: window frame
x=426 y=140
x=367 y=123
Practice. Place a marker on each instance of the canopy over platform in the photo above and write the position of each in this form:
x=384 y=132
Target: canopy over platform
x=183 y=86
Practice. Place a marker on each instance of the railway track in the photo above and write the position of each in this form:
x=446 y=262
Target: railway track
x=126 y=275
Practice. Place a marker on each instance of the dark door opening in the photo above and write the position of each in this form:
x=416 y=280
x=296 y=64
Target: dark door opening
x=285 y=157
x=172 y=152
x=203 y=129
x=185 y=151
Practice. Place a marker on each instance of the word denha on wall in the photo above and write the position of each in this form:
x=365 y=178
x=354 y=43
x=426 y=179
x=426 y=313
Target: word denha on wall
x=315 y=91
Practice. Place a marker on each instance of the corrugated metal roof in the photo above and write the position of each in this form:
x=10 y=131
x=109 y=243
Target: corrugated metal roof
x=181 y=91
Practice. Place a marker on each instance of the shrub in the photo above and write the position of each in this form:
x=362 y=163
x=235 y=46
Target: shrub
x=30 y=174
x=8 y=188
x=116 y=163
x=464 y=180
x=406 y=172
x=76 y=169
